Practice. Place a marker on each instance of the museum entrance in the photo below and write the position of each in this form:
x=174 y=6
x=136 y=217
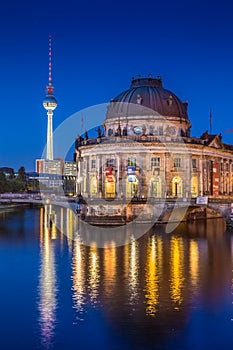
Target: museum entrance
x=177 y=187
x=131 y=186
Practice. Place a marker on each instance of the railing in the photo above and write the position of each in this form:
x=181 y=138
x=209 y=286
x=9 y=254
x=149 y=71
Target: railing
x=152 y=200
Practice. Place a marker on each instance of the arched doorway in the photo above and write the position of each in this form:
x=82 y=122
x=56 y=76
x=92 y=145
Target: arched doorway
x=194 y=186
x=155 y=187
x=93 y=186
x=177 y=187
x=131 y=186
x=110 y=186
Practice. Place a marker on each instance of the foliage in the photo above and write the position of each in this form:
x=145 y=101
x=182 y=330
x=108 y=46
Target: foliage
x=22 y=175
x=18 y=183
x=3 y=183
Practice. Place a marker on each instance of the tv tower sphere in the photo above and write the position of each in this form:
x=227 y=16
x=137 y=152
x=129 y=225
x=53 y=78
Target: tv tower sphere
x=50 y=103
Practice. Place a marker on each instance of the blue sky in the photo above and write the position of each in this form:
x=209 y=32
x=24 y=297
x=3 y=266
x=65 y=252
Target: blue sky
x=97 y=47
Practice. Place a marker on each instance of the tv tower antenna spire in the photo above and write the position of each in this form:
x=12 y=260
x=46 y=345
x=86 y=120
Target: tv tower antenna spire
x=50 y=104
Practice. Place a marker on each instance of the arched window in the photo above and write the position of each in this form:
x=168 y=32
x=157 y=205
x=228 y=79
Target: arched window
x=194 y=186
x=93 y=186
x=131 y=186
x=110 y=186
x=177 y=190
x=155 y=187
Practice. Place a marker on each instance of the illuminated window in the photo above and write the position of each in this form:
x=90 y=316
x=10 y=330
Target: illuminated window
x=155 y=161
x=177 y=162
x=132 y=161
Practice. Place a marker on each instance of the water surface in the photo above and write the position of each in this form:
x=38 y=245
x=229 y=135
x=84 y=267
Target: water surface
x=162 y=291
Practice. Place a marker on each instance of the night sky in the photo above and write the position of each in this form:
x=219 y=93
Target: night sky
x=97 y=47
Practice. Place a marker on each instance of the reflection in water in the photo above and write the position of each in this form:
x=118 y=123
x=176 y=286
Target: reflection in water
x=93 y=276
x=177 y=271
x=69 y=228
x=152 y=277
x=78 y=279
x=149 y=278
x=194 y=263
x=47 y=285
x=109 y=270
x=41 y=226
x=133 y=277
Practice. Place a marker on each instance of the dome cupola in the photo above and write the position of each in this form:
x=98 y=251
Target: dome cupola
x=147 y=108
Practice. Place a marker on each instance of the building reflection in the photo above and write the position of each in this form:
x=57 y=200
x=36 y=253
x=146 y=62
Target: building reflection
x=133 y=277
x=47 y=280
x=153 y=276
x=194 y=263
x=78 y=277
x=93 y=274
x=176 y=271
x=69 y=228
x=109 y=269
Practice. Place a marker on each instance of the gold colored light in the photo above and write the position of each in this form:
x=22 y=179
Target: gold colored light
x=152 y=277
x=93 y=277
x=133 y=271
x=176 y=271
x=194 y=262
x=110 y=268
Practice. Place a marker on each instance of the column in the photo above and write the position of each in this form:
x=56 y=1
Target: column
x=200 y=177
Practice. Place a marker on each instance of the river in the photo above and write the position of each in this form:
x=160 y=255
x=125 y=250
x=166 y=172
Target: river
x=156 y=291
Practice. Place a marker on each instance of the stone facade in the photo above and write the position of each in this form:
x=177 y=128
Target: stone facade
x=143 y=153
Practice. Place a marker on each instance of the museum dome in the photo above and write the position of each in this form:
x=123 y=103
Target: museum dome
x=149 y=93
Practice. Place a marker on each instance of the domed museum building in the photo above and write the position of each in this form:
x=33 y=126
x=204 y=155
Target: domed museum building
x=144 y=151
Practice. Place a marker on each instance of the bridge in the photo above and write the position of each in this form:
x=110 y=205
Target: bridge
x=159 y=210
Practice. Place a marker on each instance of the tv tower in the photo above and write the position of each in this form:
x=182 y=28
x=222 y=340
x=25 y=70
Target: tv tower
x=50 y=104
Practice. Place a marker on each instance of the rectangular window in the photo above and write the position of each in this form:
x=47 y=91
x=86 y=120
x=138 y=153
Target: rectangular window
x=132 y=161
x=227 y=166
x=155 y=162
x=177 y=162
x=93 y=164
x=110 y=162
x=194 y=163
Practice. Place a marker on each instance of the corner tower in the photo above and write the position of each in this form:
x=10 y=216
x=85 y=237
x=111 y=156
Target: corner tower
x=50 y=104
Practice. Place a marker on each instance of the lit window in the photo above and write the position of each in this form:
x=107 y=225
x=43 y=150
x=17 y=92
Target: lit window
x=177 y=162
x=155 y=162
x=132 y=161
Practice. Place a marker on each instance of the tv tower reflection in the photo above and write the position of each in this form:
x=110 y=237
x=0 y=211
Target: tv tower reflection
x=47 y=304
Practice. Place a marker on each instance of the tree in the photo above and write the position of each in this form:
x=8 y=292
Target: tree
x=11 y=173
x=3 y=183
x=22 y=174
x=22 y=178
